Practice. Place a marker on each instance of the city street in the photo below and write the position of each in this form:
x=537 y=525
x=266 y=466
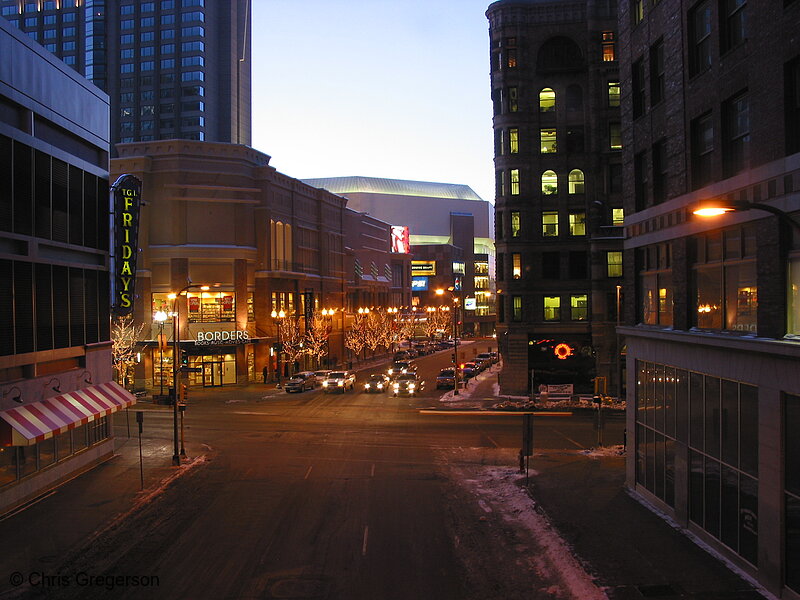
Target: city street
x=302 y=496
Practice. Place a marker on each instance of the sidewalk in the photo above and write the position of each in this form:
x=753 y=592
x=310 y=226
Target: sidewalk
x=632 y=552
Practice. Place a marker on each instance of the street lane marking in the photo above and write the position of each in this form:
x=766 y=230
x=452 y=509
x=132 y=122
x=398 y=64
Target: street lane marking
x=364 y=545
x=569 y=439
x=496 y=445
x=486 y=508
x=494 y=413
x=308 y=472
x=372 y=472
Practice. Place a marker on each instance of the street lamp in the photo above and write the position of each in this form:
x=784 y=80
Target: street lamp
x=176 y=359
x=278 y=316
x=716 y=209
x=440 y=292
x=160 y=317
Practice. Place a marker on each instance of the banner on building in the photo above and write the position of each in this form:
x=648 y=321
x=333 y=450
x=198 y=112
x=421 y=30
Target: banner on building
x=401 y=240
x=126 y=191
x=423 y=267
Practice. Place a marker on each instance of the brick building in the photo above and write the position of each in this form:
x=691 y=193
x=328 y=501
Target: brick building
x=558 y=209
x=711 y=110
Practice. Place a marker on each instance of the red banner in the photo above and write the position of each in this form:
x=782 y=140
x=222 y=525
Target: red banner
x=194 y=304
x=227 y=303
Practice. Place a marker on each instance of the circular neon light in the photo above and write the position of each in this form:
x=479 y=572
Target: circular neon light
x=563 y=351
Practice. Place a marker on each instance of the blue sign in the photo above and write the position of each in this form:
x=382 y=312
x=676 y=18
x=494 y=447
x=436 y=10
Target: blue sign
x=419 y=284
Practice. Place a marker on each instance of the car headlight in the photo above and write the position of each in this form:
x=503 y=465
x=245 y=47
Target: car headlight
x=397 y=386
x=324 y=384
x=411 y=386
x=380 y=386
x=340 y=383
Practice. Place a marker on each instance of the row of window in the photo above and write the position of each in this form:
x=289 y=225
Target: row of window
x=577 y=223
x=145 y=51
x=577 y=266
x=557 y=53
x=149 y=95
x=164 y=78
x=18 y=462
x=507 y=99
x=507 y=141
x=149 y=110
x=170 y=135
x=550 y=308
x=168 y=19
x=549 y=182
x=166 y=63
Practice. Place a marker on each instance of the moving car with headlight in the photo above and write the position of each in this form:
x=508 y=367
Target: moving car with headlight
x=407 y=384
x=376 y=384
x=300 y=382
x=401 y=366
x=339 y=381
x=446 y=378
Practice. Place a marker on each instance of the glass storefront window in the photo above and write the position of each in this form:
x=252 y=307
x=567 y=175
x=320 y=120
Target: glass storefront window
x=708 y=283
x=211 y=307
x=8 y=464
x=47 y=452
x=251 y=314
x=793 y=297
x=741 y=297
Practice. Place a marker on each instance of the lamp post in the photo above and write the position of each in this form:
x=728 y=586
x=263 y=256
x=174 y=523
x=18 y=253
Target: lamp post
x=176 y=359
x=277 y=316
x=716 y=209
x=440 y=292
x=160 y=317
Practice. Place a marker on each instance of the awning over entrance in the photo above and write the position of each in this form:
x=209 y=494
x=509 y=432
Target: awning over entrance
x=38 y=421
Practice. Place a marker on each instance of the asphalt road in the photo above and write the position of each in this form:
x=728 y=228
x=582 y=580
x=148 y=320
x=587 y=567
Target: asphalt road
x=311 y=495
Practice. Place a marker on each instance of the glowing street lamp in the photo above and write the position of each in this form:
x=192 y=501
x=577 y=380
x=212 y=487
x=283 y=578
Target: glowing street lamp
x=160 y=316
x=717 y=208
x=278 y=316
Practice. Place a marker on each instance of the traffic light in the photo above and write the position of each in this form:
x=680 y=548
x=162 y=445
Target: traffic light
x=453 y=357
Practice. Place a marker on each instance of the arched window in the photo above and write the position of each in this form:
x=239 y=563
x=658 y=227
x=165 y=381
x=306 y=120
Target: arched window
x=559 y=54
x=574 y=97
x=547 y=100
x=576 y=181
x=549 y=183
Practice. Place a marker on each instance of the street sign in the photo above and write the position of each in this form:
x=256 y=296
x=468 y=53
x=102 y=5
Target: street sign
x=191 y=370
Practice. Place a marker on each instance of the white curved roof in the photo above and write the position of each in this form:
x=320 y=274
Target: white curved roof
x=397 y=187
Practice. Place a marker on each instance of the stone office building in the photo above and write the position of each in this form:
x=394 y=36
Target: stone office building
x=218 y=215
x=558 y=210
x=711 y=113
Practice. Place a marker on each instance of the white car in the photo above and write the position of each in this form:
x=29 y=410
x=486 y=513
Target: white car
x=339 y=381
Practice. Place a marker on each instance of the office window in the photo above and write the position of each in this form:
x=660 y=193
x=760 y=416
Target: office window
x=576 y=181
x=547 y=100
x=657 y=72
x=147 y=51
x=549 y=223
x=147 y=65
x=640 y=180
x=513 y=101
x=193 y=31
x=167 y=48
x=516 y=308
x=551 y=265
x=50 y=47
x=615 y=136
x=168 y=63
x=637 y=85
x=736 y=134
x=498 y=225
x=618 y=216
x=702 y=135
x=126 y=39
x=190 y=3
x=147 y=110
x=574 y=97
x=548 y=140
x=614 y=264
x=733 y=23
x=793 y=297
x=192 y=61
x=700 y=38
x=193 y=121
x=126 y=68
x=579 y=307
x=167 y=78
x=499 y=144
x=608 y=46
x=613 y=94
x=195 y=46
x=190 y=106
x=514 y=182
x=147 y=36
x=126 y=97
x=147 y=7
x=49 y=20
x=515 y=224
x=126 y=53
x=167 y=34
x=193 y=16
x=8 y=11
x=126 y=9
x=69 y=59
x=655 y=282
x=552 y=308
x=167 y=108
x=147 y=22
x=499 y=183
x=637 y=11
x=192 y=76
x=167 y=4
x=68 y=17
x=578 y=264
x=549 y=183
x=660 y=171
x=575 y=139
x=193 y=90
x=513 y=140
x=577 y=223
x=168 y=19
x=49 y=34
x=516 y=265
x=791 y=86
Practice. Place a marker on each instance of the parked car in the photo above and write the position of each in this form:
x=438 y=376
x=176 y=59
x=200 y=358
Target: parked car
x=400 y=366
x=469 y=369
x=407 y=384
x=446 y=378
x=377 y=383
x=339 y=381
x=401 y=355
x=485 y=360
x=495 y=357
x=302 y=381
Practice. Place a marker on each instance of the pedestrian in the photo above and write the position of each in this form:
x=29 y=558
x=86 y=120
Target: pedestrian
x=265 y=373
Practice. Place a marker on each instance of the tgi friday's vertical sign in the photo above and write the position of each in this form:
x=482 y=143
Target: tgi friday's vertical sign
x=125 y=216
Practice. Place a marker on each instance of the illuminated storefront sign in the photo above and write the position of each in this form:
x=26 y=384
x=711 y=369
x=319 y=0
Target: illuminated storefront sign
x=458 y=268
x=563 y=351
x=127 y=197
x=423 y=267
x=207 y=338
x=401 y=240
x=419 y=284
x=470 y=304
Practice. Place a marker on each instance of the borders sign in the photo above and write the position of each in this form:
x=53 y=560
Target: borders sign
x=127 y=191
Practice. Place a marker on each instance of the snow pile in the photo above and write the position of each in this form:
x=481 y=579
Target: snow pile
x=604 y=451
x=525 y=403
x=499 y=490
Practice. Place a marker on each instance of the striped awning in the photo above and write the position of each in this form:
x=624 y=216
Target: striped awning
x=38 y=421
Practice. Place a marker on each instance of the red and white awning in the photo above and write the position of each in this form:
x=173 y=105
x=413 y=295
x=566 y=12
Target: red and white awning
x=38 y=421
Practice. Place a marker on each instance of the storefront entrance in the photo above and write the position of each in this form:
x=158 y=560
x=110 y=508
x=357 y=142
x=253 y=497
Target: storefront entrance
x=214 y=370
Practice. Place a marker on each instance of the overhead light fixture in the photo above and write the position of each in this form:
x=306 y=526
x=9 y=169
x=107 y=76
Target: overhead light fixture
x=15 y=393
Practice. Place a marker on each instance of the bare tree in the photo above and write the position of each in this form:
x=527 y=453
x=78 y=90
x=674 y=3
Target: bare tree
x=292 y=339
x=124 y=336
x=317 y=334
